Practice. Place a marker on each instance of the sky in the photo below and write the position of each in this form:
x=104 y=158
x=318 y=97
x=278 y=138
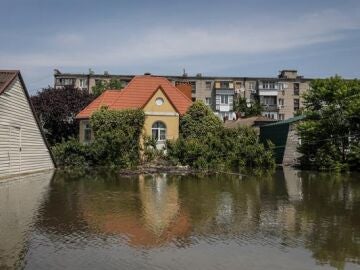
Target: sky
x=319 y=38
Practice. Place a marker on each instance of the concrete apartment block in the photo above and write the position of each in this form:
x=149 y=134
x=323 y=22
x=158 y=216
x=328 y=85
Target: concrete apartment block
x=280 y=96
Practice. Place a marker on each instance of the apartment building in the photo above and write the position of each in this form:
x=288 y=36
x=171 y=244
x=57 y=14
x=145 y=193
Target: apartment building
x=280 y=96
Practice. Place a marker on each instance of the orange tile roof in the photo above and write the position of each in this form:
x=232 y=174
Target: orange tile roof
x=136 y=95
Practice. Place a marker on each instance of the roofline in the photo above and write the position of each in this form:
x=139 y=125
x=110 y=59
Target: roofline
x=18 y=75
x=180 y=77
x=9 y=82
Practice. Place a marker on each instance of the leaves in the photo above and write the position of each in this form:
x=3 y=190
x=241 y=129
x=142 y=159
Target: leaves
x=332 y=126
x=57 y=108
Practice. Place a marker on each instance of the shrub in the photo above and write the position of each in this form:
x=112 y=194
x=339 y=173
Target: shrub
x=205 y=144
x=116 y=144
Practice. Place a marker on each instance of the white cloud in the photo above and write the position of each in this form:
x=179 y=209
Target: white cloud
x=106 y=48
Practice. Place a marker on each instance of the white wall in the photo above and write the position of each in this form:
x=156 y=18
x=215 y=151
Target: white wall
x=22 y=148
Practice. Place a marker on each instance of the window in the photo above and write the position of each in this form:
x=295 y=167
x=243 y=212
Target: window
x=82 y=83
x=281 y=116
x=252 y=85
x=87 y=133
x=208 y=101
x=193 y=87
x=159 y=101
x=268 y=85
x=159 y=131
x=237 y=85
x=208 y=85
x=281 y=101
x=224 y=99
x=66 y=81
x=296 y=104
x=296 y=89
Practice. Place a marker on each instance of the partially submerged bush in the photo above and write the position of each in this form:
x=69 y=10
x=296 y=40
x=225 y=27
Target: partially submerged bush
x=116 y=144
x=205 y=144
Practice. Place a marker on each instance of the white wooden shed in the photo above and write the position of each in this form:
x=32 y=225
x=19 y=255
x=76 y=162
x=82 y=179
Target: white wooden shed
x=23 y=146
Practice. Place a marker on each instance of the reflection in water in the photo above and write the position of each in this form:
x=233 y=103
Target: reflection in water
x=20 y=198
x=288 y=220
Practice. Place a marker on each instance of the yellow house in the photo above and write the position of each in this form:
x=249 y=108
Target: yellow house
x=161 y=101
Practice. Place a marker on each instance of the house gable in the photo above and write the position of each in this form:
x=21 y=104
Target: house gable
x=159 y=103
x=23 y=147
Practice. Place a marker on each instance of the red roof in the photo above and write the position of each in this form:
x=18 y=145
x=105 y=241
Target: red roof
x=137 y=94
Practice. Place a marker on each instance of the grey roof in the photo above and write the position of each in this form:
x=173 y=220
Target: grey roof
x=287 y=121
x=6 y=78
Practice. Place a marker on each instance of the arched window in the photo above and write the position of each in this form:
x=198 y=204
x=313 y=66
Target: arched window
x=159 y=131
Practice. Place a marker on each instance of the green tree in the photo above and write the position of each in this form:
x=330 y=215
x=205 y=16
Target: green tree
x=331 y=130
x=205 y=144
x=57 y=108
x=245 y=108
x=101 y=86
x=199 y=121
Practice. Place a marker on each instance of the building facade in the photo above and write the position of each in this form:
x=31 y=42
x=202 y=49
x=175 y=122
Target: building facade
x=279 y=96
x=23 y=147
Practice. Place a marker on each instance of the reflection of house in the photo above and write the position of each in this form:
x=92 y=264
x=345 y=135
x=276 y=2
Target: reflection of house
x=162 y=103
x=284 y=136
x=23 y=147
x=158 y=219
x=20 y=199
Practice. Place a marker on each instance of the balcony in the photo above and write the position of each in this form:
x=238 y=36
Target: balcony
x=270 y=107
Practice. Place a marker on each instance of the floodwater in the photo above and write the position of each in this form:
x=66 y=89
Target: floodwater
x=289 y=220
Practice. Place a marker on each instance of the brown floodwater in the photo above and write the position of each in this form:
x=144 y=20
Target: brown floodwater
x=287 y=220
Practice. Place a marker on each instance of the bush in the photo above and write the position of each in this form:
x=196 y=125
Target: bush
x=205 y=144
x=116 y=144
x=70 y=154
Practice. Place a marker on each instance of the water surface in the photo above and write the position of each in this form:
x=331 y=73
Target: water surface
x=288 y=220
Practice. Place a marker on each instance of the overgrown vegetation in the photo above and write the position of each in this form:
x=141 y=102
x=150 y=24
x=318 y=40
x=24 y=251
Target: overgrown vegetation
x=205 y=144
x=116 y=143
x=245 y=108
x=57 y=108
x=331 y=132
x=101 y=86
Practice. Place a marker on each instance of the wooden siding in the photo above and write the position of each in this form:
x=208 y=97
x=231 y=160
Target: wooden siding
x=22 y=148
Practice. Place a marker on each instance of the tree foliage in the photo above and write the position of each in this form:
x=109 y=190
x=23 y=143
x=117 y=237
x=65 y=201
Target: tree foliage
x=245 y=108
x=57 y=108
x=205 y=144
x=116 y=144
x=199 y=121
x=331 y=132
x=101 y=86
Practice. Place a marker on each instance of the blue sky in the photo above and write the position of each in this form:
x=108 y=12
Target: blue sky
x=241 y=38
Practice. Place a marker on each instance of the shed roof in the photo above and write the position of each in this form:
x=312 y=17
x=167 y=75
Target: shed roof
x=136 y=95
x=287 y=121
x=249 y=121
x=6 y=77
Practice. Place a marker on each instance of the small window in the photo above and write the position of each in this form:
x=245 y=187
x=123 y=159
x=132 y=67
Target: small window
x=208 y=85
x=252 y=85
x=193 y=87
x=159 y=131
x=159 y=101
x=208 y=101
x=281 y=116
x=296 y=104
x=281 y=101
x=87 y=133
x=296 y=89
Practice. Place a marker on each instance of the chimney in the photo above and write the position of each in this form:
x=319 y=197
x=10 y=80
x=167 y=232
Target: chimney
x=185 y=88
x=147 y=74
